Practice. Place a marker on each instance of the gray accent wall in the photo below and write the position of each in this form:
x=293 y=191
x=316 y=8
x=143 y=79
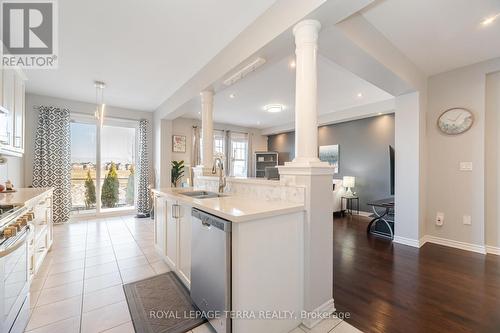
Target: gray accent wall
x=364 y=153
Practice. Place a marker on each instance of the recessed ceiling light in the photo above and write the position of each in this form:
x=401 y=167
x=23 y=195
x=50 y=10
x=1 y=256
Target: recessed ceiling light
x=274 y=108
x=380 y=113
x=489 y=20
x=359 y=95
x=292 y=64
x=232 y=96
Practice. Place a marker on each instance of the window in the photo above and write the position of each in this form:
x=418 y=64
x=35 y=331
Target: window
x=83 y=167
x=102 y=171
x=239 y=154
x=219 y=142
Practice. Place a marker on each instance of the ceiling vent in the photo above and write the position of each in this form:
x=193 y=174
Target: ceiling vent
x=244 y=71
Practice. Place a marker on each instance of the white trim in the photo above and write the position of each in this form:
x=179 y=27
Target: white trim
x=365 y=214
x=453 y=243
x=125 y=211
x=326 y=308
x=493 y=250
x=407 y=241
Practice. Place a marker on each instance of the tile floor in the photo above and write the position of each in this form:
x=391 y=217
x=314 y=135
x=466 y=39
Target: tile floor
x=79 y=287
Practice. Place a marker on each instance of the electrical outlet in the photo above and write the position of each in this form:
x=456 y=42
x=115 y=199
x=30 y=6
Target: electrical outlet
x=467 y=220
x=465 y=166
x=439 y=219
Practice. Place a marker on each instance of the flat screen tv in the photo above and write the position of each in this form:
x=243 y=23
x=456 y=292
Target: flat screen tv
x=391 y=156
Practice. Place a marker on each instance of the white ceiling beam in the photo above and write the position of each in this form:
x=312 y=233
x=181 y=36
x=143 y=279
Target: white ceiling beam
x=355 y=113
x=358 y=46
x=274 y=22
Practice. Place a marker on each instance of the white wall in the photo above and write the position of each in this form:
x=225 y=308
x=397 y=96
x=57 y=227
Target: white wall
x=25 y=170
x=409 y=164
x=492 y=150
x=453 y=192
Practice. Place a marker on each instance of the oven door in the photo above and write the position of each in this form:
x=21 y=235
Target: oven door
x=14 y=285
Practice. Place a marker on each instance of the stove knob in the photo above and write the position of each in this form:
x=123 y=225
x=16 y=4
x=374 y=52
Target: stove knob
x=7 y=232
x=10 y=231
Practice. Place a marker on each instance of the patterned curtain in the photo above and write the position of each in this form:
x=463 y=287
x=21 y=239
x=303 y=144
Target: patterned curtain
x=52 y=158
x=143 y=195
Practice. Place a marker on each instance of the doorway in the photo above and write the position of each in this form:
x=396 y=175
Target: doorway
x=103 y=164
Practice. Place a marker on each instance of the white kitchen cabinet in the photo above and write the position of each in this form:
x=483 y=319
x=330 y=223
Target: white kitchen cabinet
x=184 y=248
x=12 y=102
x=172 y=221
x=173 y=235
x=160 y=209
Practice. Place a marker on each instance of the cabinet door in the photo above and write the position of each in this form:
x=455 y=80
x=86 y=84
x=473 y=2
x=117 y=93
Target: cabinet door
x=8 y=104
x=160 y=205
x=172 y=212
x=18 y=113
x=185 y=244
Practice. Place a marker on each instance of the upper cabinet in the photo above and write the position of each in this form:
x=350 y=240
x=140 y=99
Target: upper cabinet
x=12 y=112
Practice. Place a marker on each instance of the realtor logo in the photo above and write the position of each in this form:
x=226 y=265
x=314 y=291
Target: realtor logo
x=29 y=34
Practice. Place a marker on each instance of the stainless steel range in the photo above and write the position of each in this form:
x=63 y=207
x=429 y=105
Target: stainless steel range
x=14 y=271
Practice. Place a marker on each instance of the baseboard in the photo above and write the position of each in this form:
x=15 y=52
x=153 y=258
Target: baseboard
x=327 y=307
x=493 y=250
x=455 y=244
x=407 y=241
x=365 y=214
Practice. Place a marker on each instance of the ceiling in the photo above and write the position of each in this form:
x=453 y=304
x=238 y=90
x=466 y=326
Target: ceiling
x=338 y=89
x=142 y=52
x=439 y=35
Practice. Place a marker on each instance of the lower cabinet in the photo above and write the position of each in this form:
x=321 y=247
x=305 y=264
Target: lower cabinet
x=173 y=235
x=184 y=249
x=42 y=237
x=160 y=209
x=172 y=211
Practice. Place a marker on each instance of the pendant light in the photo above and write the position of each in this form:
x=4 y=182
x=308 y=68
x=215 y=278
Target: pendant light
x=99 y=101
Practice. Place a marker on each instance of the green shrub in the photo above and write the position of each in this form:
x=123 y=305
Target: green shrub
x=109 y=193
x=90 y=197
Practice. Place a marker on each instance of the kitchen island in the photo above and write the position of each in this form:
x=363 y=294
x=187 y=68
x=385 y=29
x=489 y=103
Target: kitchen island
x=266 y=253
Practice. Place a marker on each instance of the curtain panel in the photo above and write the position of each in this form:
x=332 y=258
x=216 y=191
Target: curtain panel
x=143 y=188
x=52 y=158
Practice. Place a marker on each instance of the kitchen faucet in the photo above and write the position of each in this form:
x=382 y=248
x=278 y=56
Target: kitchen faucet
x=222 y=177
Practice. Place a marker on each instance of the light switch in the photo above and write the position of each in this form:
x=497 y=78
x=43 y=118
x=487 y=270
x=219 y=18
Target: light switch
x=467 y=220
x=465 y=166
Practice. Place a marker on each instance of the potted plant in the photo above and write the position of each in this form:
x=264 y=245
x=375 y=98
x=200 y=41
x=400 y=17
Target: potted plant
x=177 y=172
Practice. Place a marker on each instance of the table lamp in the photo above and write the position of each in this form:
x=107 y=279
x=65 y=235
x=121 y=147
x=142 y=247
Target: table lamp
x=348 y=182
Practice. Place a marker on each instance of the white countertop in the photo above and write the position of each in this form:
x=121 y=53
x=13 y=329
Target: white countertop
x=231 y=207
x=22 y=196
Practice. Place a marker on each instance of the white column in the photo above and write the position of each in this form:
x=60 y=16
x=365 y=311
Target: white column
x=308 y=171
x=306 y=115
x=207 y=128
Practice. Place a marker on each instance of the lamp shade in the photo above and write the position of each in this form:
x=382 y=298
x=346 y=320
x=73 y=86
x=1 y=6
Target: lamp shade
x=348 y=181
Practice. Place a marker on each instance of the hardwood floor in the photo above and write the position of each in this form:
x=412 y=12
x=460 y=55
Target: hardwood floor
x=395 y=288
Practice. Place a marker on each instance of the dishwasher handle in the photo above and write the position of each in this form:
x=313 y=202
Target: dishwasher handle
x=209 y=220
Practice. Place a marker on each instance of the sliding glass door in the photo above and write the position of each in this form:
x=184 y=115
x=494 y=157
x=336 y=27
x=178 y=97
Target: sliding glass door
x=83 y=166
x=117 y=176
x=103 y=165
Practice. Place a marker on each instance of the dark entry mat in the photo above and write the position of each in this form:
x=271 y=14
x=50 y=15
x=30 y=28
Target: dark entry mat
x=161 y=304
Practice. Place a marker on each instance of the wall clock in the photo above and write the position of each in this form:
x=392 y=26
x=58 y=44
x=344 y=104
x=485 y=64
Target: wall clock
x=455 y=121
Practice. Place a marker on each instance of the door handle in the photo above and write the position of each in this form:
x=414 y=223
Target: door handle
x=176 y=211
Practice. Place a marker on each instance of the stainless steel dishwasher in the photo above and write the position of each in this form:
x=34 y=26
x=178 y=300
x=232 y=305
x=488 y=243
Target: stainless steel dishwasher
x=211 y=268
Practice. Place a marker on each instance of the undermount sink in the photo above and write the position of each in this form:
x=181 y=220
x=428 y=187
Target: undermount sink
x=203 y=194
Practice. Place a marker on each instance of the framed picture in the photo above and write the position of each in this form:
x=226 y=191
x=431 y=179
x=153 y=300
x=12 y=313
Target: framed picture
x=179 y=143
x=330 y=154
